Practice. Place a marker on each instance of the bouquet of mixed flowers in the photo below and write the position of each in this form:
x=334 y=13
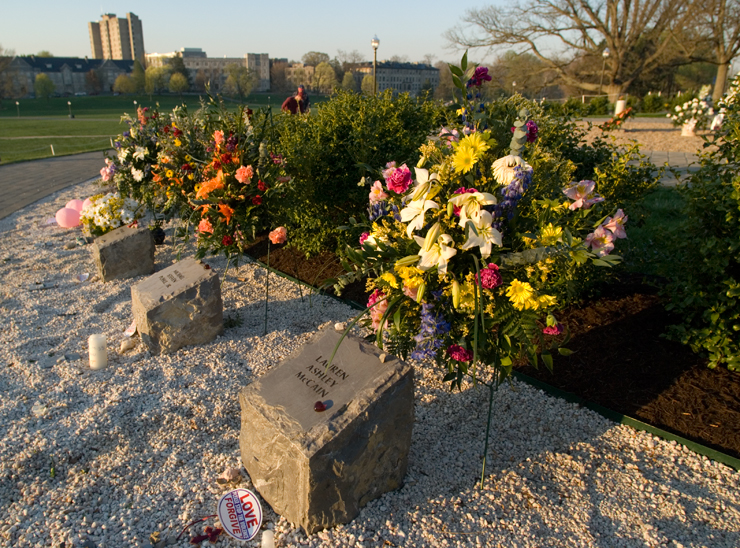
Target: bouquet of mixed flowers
x=456 y=273
x=108 y=212
x=137 y=148
x=618 y=120
x=239 y=176
x=695 y=113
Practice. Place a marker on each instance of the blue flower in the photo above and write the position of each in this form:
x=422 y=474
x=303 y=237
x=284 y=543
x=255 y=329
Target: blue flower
x=433 y=328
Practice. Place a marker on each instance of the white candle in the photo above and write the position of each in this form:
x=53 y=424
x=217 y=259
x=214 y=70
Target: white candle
x=98 y=351
x=268 y=539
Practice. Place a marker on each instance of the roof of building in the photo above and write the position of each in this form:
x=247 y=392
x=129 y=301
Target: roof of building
x=75 y=64
x=402 y=66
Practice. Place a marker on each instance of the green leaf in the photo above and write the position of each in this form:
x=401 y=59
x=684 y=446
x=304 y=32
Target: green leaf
x=564 y=351
x=464 y=61
x=457 y=82
x=599 y=262
x=457 y=71
x=547 y=359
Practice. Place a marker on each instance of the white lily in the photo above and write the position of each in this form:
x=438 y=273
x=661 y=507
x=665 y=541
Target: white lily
x=438 y=252
x=470 y=203
x=423 y=183
x=413 y=214
x=486 y=234
x=140 y=153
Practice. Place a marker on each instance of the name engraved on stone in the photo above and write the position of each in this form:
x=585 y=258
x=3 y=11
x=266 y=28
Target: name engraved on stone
x=319 y=379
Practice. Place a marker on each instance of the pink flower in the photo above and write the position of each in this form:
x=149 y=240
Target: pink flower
x=218 y=136
x=244 y=174
x=376 y=193
x=377 y=311
x=398 y=179
x=106 y=173
x=463 y=190
x=583 y=194
x=556 y=329
x=364 y=236
x=205 y=226
x=458 y=353
x=279 y=235
x=616 y=224
x=450 y=135
x=601 y=241
x=411 y=292
x=490 y=278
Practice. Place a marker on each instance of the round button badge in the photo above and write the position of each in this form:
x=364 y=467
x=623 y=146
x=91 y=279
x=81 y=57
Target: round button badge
x=240 y=513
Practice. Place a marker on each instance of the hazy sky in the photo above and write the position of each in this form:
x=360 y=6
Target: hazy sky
x=226 y=27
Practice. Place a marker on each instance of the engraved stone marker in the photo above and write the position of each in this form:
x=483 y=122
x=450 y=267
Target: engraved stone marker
x=318 y=469
x=124 y=253
x=178 y=306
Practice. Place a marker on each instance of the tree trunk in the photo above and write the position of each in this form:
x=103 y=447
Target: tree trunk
x=613 y=91
x=720 y=82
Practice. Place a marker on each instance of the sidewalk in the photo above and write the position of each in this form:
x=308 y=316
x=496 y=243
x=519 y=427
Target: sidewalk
x=683 y=162
x=24 y=183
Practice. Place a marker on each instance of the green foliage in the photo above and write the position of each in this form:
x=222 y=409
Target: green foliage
x=328 y=152
x=704 y=284
x=599 y=105
x=43 y=86
x=138 y=77
x=652 y=102
x=348 y=81
x=178 y=83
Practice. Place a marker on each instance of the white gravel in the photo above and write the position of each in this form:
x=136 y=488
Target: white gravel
x=136 y=448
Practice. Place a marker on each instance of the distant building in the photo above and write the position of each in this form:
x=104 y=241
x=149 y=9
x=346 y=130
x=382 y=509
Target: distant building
x=213 y=69
x=300 y=74
x=71 y=75
x=409 y=78
x=117 y=38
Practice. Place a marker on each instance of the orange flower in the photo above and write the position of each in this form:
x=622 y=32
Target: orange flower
x=226 y=211
x=209 y=186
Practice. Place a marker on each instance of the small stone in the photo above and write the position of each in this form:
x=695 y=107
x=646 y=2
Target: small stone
x=383 y=357
x=126 y=345
x=70 y=245
x=229 y=475
x=339 y=326
x=124 y=253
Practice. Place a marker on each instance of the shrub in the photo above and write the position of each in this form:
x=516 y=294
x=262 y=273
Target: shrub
x=328 y=152
x=599 y=105
x=652 y=102
x=704 y=287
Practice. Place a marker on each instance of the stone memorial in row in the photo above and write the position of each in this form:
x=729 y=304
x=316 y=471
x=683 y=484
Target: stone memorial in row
x=178 y=306
x=124 y=253
x=321 y=442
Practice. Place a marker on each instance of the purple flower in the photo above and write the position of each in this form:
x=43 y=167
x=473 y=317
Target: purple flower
x=532 y=130
x=433 y=328
x=481 y=75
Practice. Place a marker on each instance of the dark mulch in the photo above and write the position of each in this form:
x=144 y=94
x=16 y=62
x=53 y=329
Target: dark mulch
x=620 y=360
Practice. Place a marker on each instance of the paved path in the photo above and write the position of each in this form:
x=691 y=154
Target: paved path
x=679 y=161
x=24 y=183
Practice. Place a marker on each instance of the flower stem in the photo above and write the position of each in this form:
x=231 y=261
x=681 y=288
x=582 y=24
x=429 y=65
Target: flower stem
x=267 y=284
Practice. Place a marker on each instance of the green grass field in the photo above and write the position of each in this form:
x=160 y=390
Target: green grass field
x=43 y=124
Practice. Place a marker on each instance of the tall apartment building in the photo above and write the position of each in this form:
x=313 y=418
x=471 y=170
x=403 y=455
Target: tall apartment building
x=117 y=38
x=213 y=69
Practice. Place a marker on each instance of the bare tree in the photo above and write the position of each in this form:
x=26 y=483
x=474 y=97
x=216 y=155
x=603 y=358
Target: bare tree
x=637 y=33
x=350 y=59
x=714 y=37
x=314 y=58
x=6 y=84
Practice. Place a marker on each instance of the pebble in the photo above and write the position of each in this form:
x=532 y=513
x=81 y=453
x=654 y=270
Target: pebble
x=134 y=448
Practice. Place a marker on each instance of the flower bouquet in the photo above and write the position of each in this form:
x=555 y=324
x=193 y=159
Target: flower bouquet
x=618 y=120
x=692 y=115
x=458 y=273
x=108 y=212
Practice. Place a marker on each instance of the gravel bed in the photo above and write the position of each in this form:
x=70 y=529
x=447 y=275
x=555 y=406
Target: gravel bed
x=110 y=457
x=652 y=134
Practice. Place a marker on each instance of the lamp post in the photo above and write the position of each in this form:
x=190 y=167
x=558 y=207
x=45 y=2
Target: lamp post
x=18 y=108
x=513 y=87
x=69 y=104
x=375 y=43
x=605 y=55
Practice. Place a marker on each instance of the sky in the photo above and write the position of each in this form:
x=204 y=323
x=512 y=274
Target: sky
x=233 y=28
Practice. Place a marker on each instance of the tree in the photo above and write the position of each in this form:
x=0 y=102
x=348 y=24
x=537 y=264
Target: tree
x=44 y=53
x=718 y=27
x=92 y=82
x=315 y=58
x=445 y=88
x=178 y=84
x=637 y=33
x=177 y=65
x=399 y=59
x=298 y=77
x=6 y=82
x=201 y=79
x=348 y=82
x=43 y=86
x=368 y=87
x=324 y=78
x=138 y=77
x=240 y=80
x=350 y=59
x=278 y=79
x=428 y=59
x=123 y=84
x=156 y=79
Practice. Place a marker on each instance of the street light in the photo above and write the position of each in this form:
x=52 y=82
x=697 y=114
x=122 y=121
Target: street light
x=69 y=104
x=18 y=108
x=605 y=55
x=375 y=43
x=513 y=87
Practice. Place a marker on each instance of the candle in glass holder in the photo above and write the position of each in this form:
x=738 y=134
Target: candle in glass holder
x=98 y=351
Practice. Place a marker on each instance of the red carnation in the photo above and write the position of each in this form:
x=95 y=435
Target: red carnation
x=262 y=186
x=257 y=200
x=227 y=240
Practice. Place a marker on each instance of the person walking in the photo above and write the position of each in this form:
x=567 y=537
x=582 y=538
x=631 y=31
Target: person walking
x=304 y=102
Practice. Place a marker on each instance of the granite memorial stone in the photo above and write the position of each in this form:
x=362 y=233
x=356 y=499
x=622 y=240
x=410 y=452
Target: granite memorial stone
x=124 y=253
x=317 y=467
x=178 y=306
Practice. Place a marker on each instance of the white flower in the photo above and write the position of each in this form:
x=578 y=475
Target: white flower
x=123 y=154
x=423 y=183
x=503 y=168
x=471 y=203
x=486 y=234
x=439 y=252
x=137 y=174
x=140 y=153
x=413 y=214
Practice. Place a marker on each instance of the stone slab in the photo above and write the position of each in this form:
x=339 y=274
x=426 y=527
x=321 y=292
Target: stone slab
x=318 y=469
x=178 y=306
x=124 y=253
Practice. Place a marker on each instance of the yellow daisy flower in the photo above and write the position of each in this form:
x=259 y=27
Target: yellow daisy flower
x=551 y=234
x=464 y=159
x=391 y=279
x=520 y=294
x=169 y=173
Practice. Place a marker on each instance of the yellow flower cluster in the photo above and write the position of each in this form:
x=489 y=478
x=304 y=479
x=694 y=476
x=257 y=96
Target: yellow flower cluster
x=469 y=150
x=523 y=297
x=411 y=276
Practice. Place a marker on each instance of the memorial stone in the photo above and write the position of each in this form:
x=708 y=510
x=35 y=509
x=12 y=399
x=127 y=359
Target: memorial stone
x=319 y=468
x=124 y=253
x=178 y=306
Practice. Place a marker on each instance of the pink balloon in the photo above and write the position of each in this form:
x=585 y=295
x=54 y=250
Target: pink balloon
x=75 y=204
x=86 y=203
x=67 y=217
